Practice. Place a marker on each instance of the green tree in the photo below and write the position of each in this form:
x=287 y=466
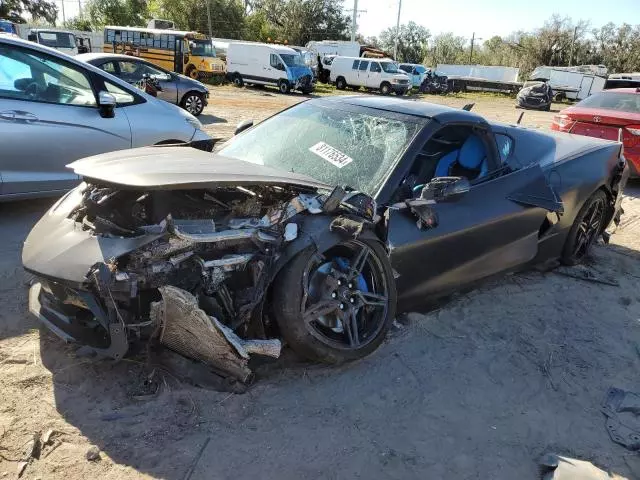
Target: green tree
x=227 y=16
x=133 y=13
x=412 y=42
x=299 y=21
x=14 y=10
x=447 y=48
x=80 y=22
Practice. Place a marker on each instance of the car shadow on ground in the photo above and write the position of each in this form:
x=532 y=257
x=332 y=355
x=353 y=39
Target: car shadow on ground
x=207 y=119
x=16 y=220
x=476 y=386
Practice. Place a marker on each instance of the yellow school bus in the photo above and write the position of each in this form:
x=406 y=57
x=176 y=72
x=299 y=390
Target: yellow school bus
x=190 y=53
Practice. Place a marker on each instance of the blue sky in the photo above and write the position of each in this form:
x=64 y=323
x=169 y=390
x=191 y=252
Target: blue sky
x=489 y=17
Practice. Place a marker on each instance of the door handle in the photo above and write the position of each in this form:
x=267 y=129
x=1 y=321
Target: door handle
x=24 y=116
x=13 y=115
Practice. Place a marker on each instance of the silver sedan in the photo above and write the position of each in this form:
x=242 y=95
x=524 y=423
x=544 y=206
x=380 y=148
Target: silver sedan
x=186 y=92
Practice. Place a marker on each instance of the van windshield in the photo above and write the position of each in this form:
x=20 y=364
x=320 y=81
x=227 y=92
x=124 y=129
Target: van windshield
x=292 y=60
x=389 y=67
x=355 y=147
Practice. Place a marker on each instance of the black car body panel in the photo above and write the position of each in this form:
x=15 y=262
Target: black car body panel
x=96 y=251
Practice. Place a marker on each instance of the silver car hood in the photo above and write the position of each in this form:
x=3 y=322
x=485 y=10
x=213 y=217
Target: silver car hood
x=182 y=168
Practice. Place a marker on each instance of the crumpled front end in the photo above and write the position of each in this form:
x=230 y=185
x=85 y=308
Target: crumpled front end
x=186 y=269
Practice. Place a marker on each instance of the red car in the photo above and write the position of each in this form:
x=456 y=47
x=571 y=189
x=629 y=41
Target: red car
x=606 y=115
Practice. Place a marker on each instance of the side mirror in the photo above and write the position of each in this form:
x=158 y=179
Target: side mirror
x=242 y=126
x=107 y=103
x=445 y=189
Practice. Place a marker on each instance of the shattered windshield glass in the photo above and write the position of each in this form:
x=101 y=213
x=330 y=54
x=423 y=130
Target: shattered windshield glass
x=337 y=147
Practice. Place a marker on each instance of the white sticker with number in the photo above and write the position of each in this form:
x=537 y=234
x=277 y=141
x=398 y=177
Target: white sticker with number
x=332 y=155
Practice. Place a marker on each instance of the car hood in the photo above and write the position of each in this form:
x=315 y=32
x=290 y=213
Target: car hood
x=297 y=72
x=183 y=167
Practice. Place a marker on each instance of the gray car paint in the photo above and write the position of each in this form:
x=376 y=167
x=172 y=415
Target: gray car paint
x=173 y=90
x=35 y=151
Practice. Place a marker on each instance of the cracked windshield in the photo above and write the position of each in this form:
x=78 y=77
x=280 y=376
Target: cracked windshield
x=337 y=147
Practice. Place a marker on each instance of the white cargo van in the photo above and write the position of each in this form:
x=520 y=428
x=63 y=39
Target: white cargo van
x=267 y=64
x=380 y=74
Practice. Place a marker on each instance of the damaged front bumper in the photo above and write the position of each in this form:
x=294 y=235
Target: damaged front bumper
x=113 y=266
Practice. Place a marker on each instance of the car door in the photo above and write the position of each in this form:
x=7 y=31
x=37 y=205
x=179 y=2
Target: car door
x=375 y=75
x=352 y=73
x=49 y=117
x=491 y=228
x=132 y=71
x=363 y=73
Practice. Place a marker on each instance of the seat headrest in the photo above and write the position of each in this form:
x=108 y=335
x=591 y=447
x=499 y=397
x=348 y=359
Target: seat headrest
x=472 y=153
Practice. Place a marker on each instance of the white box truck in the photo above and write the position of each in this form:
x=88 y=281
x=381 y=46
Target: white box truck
x=378 y=74
x=268 y=64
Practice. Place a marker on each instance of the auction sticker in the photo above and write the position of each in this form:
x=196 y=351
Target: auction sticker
x=331 y=155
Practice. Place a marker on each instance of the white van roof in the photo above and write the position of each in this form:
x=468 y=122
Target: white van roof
x=335 y=57
x=275 y=47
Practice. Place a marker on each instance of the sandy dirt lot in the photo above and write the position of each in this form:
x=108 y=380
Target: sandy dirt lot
x=478 y=388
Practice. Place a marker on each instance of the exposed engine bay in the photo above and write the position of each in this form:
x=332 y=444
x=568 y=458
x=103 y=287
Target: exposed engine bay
x=199 y=282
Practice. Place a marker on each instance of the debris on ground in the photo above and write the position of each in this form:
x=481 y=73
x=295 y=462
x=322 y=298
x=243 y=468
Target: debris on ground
x=93 y=454
x=583 y=272
x=622 y=410
x=556 y=467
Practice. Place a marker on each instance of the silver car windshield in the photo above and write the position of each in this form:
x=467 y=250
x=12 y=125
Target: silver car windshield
x=338 y=147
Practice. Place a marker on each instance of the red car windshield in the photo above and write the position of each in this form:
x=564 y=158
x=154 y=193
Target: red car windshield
x=621 y=101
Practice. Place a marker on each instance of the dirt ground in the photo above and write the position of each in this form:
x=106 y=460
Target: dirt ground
x=479 y=388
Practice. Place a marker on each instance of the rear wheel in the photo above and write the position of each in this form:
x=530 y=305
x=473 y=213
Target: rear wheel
x=336 y=306
x=589 y=223
x=237 y=80
x=193 y=102
x=341 y=83
x=385 y=88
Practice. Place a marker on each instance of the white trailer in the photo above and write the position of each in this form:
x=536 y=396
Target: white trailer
x=334 y=47
x=572 y=84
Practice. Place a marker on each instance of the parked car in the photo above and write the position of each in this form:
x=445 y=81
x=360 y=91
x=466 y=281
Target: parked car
x=311 y=226
x=190 y=94
x=612 y=115
x=378 y=74
x=62 y=40
x=267 y=64
x=535 y=96
x=55 y=109
x=415 y=72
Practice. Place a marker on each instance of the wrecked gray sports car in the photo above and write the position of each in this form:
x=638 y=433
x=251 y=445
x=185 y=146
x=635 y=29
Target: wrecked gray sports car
x=304 y=227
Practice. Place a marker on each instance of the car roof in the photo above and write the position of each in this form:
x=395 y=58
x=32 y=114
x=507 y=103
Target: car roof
x=406 y=107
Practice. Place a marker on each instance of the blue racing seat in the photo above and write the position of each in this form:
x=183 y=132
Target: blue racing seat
x=469 y=161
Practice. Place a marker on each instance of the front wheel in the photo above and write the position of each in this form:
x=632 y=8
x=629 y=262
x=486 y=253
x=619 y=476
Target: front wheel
x=337 y=306
x=284 y=86
x=193 y=102
x=341 y=83
x=192 y=72
x=385 y=88
x=586 y=228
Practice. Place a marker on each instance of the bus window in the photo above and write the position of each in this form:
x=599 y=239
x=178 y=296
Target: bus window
x=163 y=40
x=136 y=38
x=171 y=42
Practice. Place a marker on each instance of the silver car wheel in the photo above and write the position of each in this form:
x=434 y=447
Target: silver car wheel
x=193 y=104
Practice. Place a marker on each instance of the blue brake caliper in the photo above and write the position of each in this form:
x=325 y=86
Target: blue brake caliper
x=345 y=266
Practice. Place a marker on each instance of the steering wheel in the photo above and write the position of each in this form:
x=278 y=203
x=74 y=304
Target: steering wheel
x=33 y=91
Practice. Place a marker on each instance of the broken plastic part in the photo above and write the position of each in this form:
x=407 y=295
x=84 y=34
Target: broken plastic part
x=228 y=262
x=291 y=232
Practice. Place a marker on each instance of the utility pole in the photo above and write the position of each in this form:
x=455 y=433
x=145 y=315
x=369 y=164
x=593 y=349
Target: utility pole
x=353 y=20
x=573 y=41
x=64 y=17
x=395 y=50
x=79 y=8
x=473 y=39
x=209 y=17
